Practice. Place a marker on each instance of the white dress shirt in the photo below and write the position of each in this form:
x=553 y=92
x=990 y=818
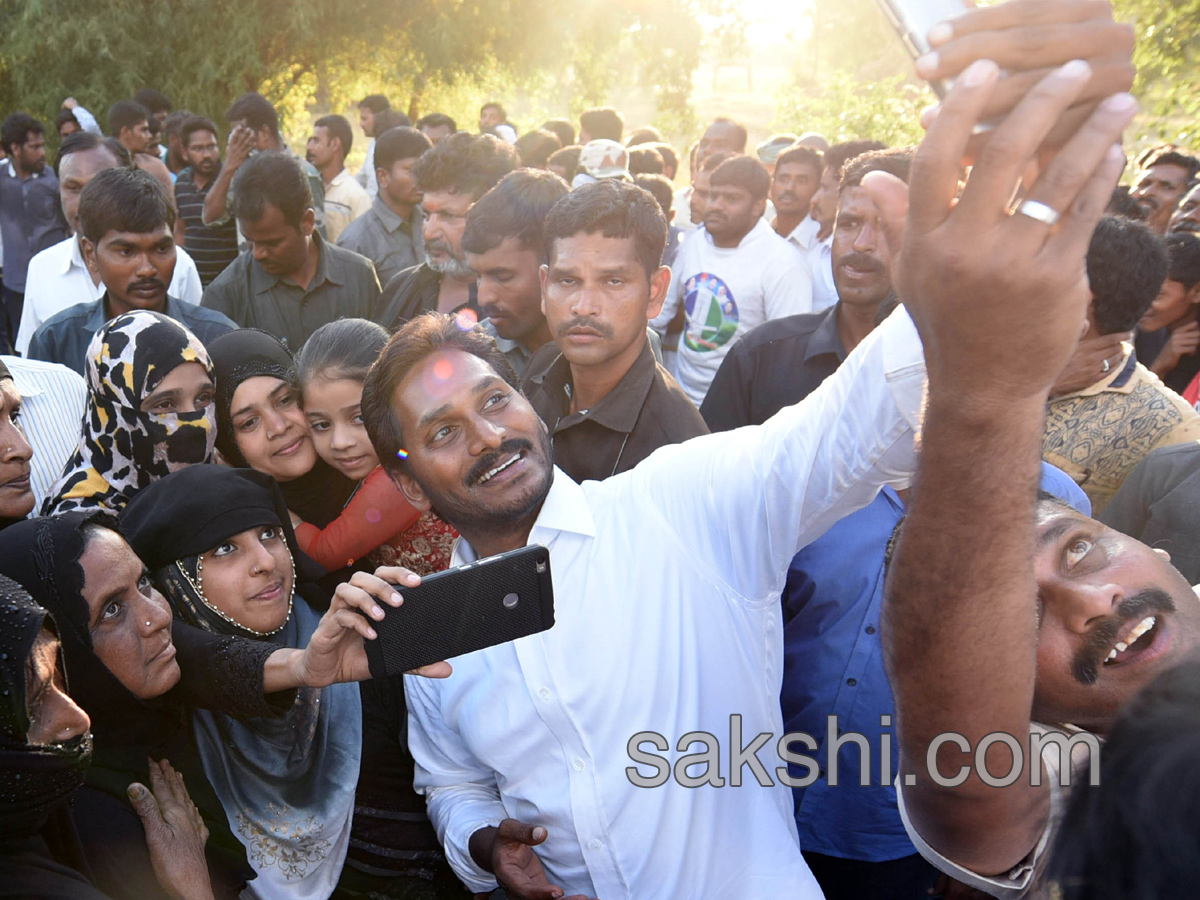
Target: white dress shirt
x=820 y=262
x=59 y=279
x=366 y=175
x=667 y=581
x=52 y=403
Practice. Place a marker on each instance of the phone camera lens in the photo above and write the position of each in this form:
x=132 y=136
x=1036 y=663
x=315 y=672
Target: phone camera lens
x=510 y=601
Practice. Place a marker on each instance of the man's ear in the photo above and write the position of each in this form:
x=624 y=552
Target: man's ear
x=660 y=283
x=760 y=208
x=543 y=272
x=89 y=256
x=412 y=491
x=1193 y=296
x=308 y=222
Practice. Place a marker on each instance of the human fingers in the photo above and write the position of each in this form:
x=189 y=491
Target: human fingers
x=1109 y=77
x=368 y=593
x=1022 y=49
x=398 y=575
x=147 y=809
x=347 y=620
x=1014 y=142
x=1078 y=182
x=522 y=832
x=1016 y=14
x=890 y=196
x=933 y=179
x=433 y=670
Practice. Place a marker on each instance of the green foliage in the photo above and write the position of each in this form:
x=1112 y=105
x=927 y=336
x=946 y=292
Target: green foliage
x=330 y=53
x=843 y=108
x=1168 y=62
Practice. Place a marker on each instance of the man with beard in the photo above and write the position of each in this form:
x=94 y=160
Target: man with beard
x=1164 y=174
x=1187 y=215
x=732 y=275
x=213 y=247
x=128 y=227
x=607 y=402
x=292 y=281
x=781 y=362
x=504 y=247
x=29 y=220
x=452 y=176
x=59 y=278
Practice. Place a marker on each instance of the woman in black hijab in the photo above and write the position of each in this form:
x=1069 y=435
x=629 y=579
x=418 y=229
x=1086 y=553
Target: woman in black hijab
x=45 y=748
x=261 y=425
x=16 y=493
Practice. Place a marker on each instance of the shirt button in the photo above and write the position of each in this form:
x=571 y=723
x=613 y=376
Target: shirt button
x=870 y=629
x=852 y=681
x=544 y=693
x=578 y=764
x=595 y=844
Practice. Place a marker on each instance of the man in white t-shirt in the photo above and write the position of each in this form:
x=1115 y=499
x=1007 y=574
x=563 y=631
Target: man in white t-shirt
x=58 y=277
x=731 y=275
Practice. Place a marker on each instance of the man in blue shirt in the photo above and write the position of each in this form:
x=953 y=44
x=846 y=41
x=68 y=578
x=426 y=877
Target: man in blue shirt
x=128 y=239
x=851 y=834
x=29 y=217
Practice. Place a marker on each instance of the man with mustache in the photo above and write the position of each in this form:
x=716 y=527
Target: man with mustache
x=606 y=400
x=452 y=177
x=732 y=275
x=505 y=249
x=1187 y=215
x=214 y=246
x=783 y=361
x=127 y=222
x=1165 y=173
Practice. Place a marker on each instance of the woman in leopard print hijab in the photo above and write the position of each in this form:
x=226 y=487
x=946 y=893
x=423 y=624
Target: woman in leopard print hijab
x=149 y=412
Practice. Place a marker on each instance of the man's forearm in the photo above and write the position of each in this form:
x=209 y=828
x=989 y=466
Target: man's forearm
x=960 y=625
x=215 y=200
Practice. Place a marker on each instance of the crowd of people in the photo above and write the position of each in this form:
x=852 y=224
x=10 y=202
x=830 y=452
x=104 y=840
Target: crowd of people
x=872 y=497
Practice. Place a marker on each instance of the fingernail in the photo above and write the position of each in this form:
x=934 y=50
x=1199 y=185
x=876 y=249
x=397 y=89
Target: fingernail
x=926 y=65
x=136 y=791
x=1075 y=69
x=929 y=113
x=539 y=833
x=371 y=633
x=1116 y=154
x=940 y=33
x=978 y=72
x=377 y=612
x=396 y=599
x=1120 y=103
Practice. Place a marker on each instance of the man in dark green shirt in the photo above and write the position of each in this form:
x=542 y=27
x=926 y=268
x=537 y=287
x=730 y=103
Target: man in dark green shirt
x=291 y=281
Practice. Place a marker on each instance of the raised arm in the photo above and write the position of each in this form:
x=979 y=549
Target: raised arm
x=960 y=623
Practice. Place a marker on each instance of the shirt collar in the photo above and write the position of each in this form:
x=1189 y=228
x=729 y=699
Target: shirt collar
x=564 y=509
x=261 y=282
x=98 y=317
x=804 y=235
x=388 y=217
x=1118 y=380
x=826 y=338
x=620 y=408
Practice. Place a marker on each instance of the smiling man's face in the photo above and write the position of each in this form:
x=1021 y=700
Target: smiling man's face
x=1112 y=614
x=477 y=452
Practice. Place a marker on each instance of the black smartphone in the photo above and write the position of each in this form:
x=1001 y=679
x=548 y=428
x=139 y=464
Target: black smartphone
x=480 y=604
x=914 y=19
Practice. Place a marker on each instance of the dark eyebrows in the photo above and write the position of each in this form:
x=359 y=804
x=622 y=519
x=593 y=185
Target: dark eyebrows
x=482 y=385
x=1056 y=530
x=249 y=407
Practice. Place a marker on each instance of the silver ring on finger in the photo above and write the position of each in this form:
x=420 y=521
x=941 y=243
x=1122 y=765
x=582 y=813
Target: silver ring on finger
x=1038 y=211
x=1104 y=366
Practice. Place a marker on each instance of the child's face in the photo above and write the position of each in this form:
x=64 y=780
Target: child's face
x=334 y=417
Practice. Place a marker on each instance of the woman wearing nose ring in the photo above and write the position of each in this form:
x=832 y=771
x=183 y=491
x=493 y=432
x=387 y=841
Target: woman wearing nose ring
x=261 y=425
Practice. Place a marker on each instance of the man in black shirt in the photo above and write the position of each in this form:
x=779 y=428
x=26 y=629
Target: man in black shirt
x=783 y=361
x=212 y=247
x=606 y=401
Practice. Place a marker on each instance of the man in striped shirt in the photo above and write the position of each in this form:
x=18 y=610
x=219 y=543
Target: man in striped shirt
x=212 y=247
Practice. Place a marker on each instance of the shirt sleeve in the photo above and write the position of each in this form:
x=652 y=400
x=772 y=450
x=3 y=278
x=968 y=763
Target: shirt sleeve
x=86 y=120
x=41 y=346
x=744 y=502
x=461 y=794
x=187 y=279
x=376 y=512
x=33 y=298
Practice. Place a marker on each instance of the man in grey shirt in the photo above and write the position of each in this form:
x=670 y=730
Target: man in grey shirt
x=291 y=282
x=390 y=233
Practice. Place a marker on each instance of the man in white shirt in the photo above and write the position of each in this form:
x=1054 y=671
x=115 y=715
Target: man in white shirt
x=667 y=581
x=368 y=108
x=52 y=403
x=795 y=182
x=58 y=277
x=732 y=275
x=345 y=198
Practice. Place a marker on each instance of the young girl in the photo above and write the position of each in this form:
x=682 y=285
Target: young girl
x=378 y=524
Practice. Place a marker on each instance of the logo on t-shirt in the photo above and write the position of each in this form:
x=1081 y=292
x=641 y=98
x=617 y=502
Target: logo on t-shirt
x=712 y=313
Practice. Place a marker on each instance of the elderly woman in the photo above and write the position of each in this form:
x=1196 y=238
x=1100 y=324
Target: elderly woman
x=45 y=748
x=16 y=493
x=149 y=412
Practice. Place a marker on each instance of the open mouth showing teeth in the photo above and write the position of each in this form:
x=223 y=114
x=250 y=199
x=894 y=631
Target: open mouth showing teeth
x=487 y=476
x=1140 y=638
